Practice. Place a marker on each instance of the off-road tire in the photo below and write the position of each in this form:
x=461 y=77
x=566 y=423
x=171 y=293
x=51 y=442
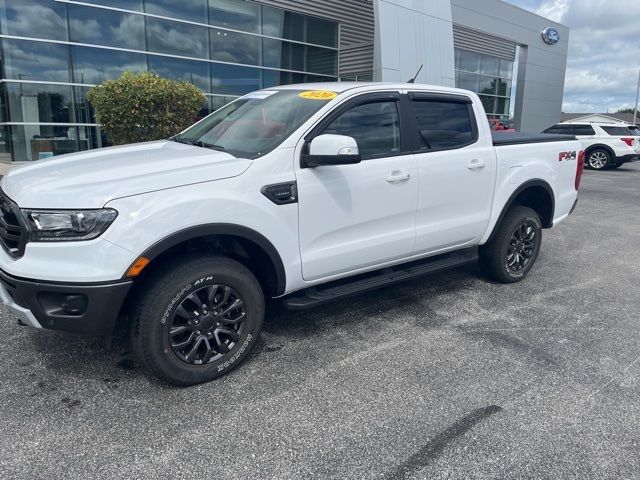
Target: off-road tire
x=168 y=289
x=495 y=255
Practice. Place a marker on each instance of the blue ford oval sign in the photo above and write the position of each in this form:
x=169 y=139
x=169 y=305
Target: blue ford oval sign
x=551 y=35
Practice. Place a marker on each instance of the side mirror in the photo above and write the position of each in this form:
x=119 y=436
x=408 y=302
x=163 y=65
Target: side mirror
x=331 y=150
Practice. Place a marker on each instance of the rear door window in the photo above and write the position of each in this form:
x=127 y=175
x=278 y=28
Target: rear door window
x=583 y=130
x=444 y=125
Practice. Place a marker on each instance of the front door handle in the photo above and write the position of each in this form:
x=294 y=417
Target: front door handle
x=476 y=165
x=398 y=176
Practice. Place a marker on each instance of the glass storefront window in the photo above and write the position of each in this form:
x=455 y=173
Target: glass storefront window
x=84 y=112
x=216 y=103
x=95 y=65
x=234 y=80
x=272 y=78
x=469 y=61
x=33 y=18
x=285 y=55
x=506 y=69
x=191 y=71
x=488 y=76
x=235 y=47
x=502 y=106
x=135 y=5
x=283 y=24
x=490 y=65
x=36 y=142
x=487 y=85
x=504 y=88
x=5 y=144
x=235 y=14
x=489 y=104
x=27 y=60
x=106 y=27
x=322 y=32
x=40 y=103
x=165 y=36
x=303 y=49
x=192 y=10
x=468 y=81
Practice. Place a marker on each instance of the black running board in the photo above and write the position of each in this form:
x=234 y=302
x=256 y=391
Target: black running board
x=315 y=296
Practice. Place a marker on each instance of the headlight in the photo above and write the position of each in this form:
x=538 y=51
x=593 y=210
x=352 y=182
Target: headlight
x=68 y=225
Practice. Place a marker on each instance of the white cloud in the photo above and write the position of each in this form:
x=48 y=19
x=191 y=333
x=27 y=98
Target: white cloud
x=554 y=10
x=604 y=50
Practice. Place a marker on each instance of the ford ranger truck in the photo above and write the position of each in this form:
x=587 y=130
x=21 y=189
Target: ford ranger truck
x=303 y=193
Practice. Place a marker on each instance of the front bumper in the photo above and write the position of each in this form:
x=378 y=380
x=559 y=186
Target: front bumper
x=80 y=308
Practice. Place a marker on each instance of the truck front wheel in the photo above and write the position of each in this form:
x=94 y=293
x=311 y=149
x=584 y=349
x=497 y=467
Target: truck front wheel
x=198 y=319
x=513 y=249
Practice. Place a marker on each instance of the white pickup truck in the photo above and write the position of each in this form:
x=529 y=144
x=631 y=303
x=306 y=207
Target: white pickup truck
x=305 y=193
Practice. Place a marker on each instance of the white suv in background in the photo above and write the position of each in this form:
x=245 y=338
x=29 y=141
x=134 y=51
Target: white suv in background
x=606 y=144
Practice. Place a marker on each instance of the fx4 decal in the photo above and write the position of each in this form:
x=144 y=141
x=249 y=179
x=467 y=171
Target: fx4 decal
x=567 y=156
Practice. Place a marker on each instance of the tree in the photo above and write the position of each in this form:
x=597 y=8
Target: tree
x=144 y=107
x=625 y=110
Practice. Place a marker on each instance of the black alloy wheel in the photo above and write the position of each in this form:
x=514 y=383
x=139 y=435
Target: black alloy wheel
x=522 y=246
x=513 y=248
x=207 y=324
x=198 y=318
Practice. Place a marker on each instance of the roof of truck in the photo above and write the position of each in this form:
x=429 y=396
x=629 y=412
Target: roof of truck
x=340 y=87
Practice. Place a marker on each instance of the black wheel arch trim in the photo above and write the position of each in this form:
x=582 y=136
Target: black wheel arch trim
x=518 y=191
x=229 y=229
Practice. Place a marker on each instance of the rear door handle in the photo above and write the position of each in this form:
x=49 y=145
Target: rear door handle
x=476 y=165
x=398 y=176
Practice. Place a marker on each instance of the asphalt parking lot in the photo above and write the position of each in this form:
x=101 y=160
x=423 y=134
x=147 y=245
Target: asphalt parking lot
x=447 y=377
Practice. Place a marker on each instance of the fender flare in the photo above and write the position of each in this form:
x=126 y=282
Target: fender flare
x=528 y=184
x=229 y=229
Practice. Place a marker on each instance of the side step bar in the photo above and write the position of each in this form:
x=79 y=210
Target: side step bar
x=315 y=296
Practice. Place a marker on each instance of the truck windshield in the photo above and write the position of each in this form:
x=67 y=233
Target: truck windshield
x=255 y=124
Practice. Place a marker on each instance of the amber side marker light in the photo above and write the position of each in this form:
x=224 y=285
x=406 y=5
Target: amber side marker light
x=137 y=267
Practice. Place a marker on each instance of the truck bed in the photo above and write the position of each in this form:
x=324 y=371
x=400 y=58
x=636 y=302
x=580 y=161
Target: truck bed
x=521 y=138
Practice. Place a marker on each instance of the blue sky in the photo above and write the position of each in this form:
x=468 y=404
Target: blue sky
x=604 y=50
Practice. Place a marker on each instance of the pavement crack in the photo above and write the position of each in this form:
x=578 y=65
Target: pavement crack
x=436 y=445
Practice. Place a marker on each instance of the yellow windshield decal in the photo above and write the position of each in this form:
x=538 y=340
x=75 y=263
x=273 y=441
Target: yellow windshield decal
x=318 y=95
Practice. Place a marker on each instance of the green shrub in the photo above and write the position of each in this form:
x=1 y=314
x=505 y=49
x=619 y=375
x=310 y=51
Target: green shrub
x=144 y=107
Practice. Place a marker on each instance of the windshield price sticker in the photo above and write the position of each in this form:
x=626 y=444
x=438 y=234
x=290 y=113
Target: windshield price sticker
x=318 y=95
x=261 y=94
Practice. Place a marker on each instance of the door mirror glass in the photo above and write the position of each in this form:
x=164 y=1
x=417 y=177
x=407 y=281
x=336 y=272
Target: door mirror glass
x=329 y=149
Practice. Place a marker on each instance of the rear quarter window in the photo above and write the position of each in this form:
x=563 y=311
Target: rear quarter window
x=617 y=131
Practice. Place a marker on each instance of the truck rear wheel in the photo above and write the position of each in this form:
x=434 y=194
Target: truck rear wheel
x=198 y=320
x=510 y=254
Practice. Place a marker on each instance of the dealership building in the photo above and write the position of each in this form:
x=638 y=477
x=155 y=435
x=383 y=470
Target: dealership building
x=54 y=51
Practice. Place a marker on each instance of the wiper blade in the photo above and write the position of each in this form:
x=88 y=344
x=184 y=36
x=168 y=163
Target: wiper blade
x=198 y=143
x=180 y=140
x=212 y=146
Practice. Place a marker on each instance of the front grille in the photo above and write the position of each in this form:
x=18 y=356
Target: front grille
x=13 y=232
